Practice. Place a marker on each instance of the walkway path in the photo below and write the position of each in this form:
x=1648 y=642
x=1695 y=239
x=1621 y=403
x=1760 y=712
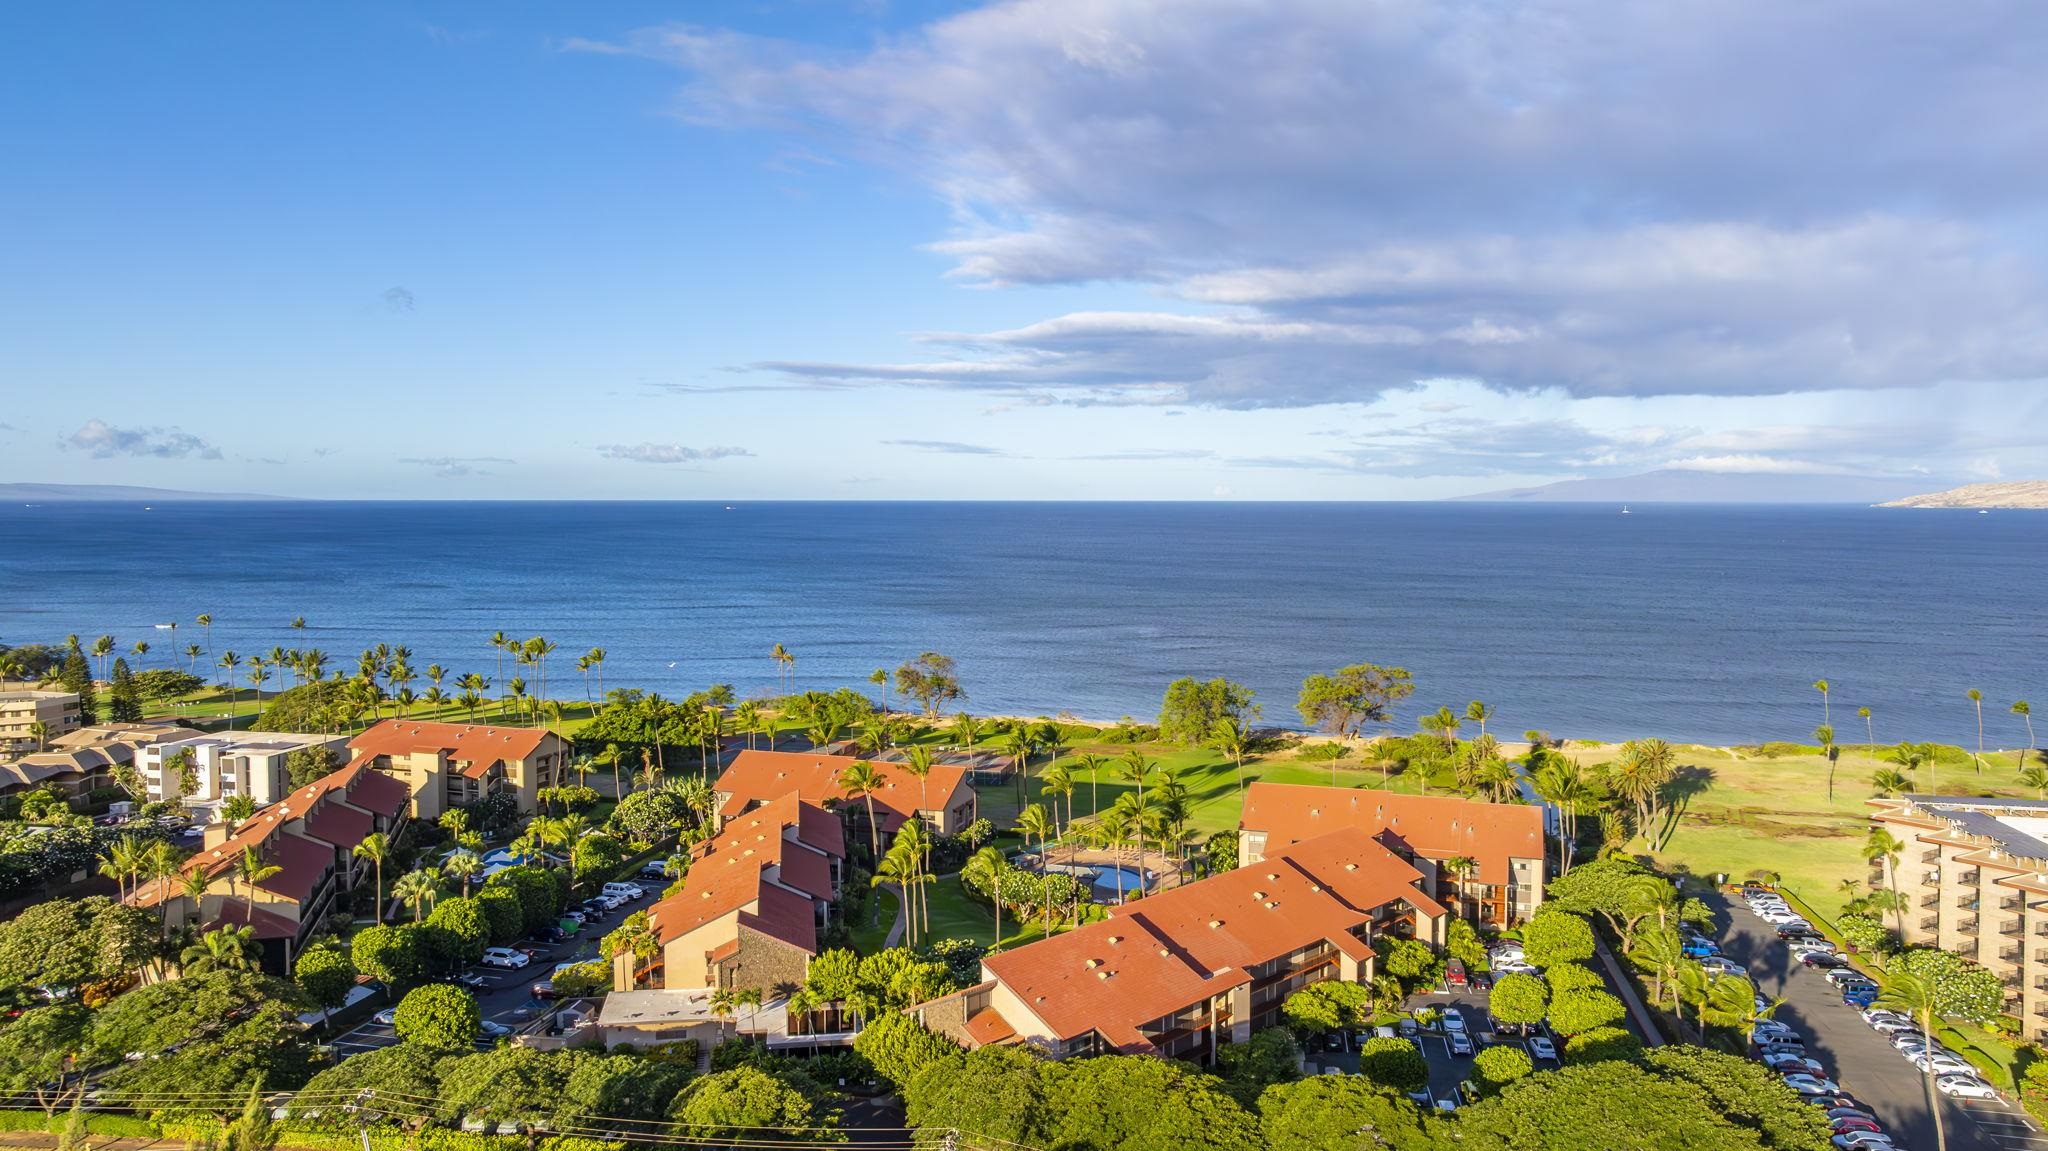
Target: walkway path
x=895 y=935
x=1629 y=999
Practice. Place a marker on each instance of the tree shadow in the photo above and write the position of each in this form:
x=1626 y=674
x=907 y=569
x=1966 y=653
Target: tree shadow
x=1678 y=793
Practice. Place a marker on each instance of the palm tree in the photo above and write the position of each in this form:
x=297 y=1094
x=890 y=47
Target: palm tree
x=1914 y=995
x=987 y=866
x=1134 y=767
x=1056 y=781
x=863 y=779
x=192 y=654
x=966 y=729
x=1823 y=687
x=1228 y=736
x=596 y=657
x=228 y=662
x=222 y=949
x=103 y=649
x=2035 y=775
x=124 y=859
x=1883 y=845
x=1023 y=734
x=1477 y=712
x=917 y=763
x=1639 y=777
x=375 y=848
x=1664 y=955
x=1034 y=823
x=914 y=844
x=40 y=732
x=253 y=870
x=1891 y=781
x=2025 y=711
x=1445 y=723
x=1092 y=764
x=783 y=662
x=193 y=885
x=465 y=866
x=1911 y=756
x=416 y=889
x=1869 y=730
x=1824 y=735
x=503 y=643
x=1112 y=830
x=1976 y=699
x=140 y=650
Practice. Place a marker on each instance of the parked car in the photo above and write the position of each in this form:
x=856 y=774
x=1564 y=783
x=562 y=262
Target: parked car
x=1845 y=1125
x=492 y=1029
x=1834 y=1113
x=654 y=869
x=1723 y=965
x=1784 y=1061
x=505 y=957
x=1821 y=960
x=1965 y=1087
x=1460 y=1043
x=1454 y=974
x=1894 y=1026
x=1406 y=1027
x=387 y=1017
x=1542 y=1048
x=1809 y=1084
x=1765 y=1027
x=625 y=891
x=1515 y=967
x=1839 y=977
x=1860 y=995
x=1700 y=949
x=1862 y=1141
x=544 y=990
x=1454 y=1021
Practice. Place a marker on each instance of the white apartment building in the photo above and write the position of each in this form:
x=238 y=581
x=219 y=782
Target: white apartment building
x=250 y=763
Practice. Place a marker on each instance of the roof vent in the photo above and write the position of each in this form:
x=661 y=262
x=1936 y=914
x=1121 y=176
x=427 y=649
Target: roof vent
x=1103 y=975
x=1351 y=867
x=1257 y=895
x=1273 y=875
x=1271 y=904
x=1093 y=964
x=1165 y=954
x=1214 y=924
x=1115 y=939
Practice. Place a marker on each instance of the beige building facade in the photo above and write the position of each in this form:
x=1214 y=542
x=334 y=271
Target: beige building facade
x=1974 y=873
x=21 y=712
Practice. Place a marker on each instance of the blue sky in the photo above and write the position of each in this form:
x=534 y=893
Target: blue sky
x=1101 y=249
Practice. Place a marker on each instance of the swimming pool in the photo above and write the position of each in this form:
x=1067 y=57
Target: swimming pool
x=1104 y=878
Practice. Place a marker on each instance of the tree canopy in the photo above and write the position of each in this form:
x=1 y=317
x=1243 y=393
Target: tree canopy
x=1345 y=700
x=440 y=1016
x=1191 y=708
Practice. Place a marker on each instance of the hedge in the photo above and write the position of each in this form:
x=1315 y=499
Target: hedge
x=96 y=1123
x=431 y=1138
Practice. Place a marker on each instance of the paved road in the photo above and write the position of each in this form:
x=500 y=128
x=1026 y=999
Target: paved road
x=1861 y=1060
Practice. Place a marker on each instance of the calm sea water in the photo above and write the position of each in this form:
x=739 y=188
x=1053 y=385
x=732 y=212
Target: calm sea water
x=1695 y=623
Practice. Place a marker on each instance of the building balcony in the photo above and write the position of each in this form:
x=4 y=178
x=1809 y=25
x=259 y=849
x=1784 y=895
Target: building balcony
x=2011 y=903
x=1967 y=926
x=1930 y=923
x=2013 y=928
x=1930 y=902
x=1931 y=856
x=2009 y=954
x=1967 y=902
x=1969 y=878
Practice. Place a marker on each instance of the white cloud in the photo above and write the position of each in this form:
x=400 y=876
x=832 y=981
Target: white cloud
x=105 y=441
x=653 y=453
x=1604 y=198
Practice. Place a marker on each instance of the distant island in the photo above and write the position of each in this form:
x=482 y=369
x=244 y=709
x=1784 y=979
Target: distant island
x=2010 y=494
x=1677 y=485
x=109 y=493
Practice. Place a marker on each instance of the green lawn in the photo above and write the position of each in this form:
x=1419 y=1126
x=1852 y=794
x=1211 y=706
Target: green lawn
x=958 y=913
x=875 y=921
x=1774 y=814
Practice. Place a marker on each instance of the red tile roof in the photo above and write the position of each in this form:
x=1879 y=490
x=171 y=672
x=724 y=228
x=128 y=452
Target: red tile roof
x=759 y=776
x=472 y=743
x=235 y=912
x=1175 y=949
x=988 y=1026
x=381 y=793
x=1432 y=826
x=339 y=824
x=304 y=862
x=729 y=873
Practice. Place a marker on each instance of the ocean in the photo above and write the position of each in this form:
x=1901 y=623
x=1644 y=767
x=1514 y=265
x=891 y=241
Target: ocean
x=1695 y=623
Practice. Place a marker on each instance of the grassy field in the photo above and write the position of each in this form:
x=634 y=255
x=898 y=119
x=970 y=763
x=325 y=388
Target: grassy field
x=1772 y=813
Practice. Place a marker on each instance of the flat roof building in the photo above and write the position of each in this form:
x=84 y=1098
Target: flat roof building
x=22 y=711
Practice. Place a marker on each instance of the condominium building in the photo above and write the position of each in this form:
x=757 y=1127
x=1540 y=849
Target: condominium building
x=251 y=763
x=748 y=918
x=85 y=759
x=1486 y=860
x=1181 y=972
x=448 y=765
x=1974 y=873
x=310 y=836
x=22 y=711
x=943 y=798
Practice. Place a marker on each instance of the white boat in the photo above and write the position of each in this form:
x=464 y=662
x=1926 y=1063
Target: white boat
x=165 y=626
x=1624 y=509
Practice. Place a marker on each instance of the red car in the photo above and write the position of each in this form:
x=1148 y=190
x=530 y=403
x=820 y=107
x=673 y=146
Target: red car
x=1844 y=1126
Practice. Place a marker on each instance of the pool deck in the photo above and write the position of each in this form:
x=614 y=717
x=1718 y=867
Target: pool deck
x=1166 y=870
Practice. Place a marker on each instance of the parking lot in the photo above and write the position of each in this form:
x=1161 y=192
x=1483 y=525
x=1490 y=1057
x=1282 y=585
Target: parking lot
x=1861 y=1060
x=507 y=995
x=1448 y=1070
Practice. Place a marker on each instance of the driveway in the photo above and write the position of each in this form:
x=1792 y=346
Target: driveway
x=1861 y=1060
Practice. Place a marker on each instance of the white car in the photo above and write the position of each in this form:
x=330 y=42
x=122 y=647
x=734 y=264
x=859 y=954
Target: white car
x=1861 y=1140
x=1965 y=1087
x=1895 y=1027
x=1719 y=965
x=1783 y=1061
x=1453 y=1021
x=1807 y=1084
x=1542 y=1048
x=1514 y=967
x=626 y=891
x=1937 y=1065
x=505 y=957
x=387 y=1017
x=1872 y=1015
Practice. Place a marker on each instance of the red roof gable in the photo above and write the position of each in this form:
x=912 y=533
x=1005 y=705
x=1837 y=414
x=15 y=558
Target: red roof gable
x=756 y=777
x=471 y=743
x=1433 y=826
